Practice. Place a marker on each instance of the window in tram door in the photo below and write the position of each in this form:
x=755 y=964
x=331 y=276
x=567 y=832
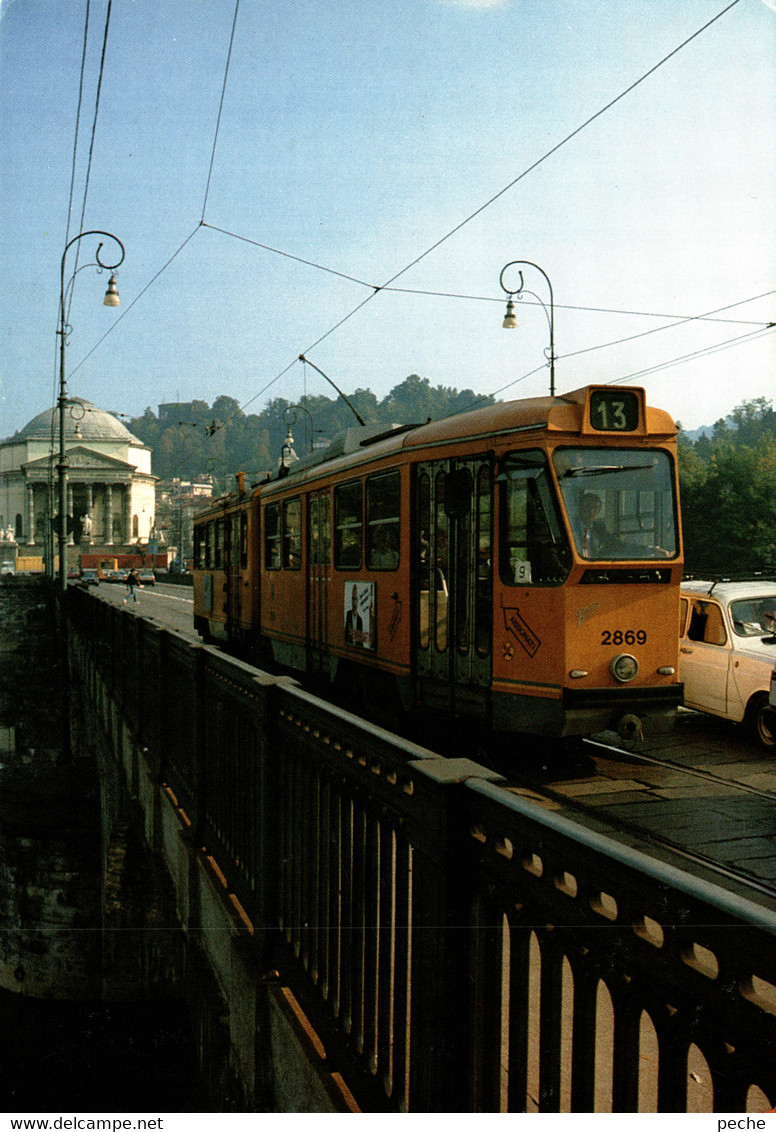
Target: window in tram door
x=218 y=561
x=292 y=534
x=243 y=540
x=441 y=564
x=320 y=529
x=272 y=537
x=348 y=523
x=423 y=559
x=463 y=556
x=483 y=593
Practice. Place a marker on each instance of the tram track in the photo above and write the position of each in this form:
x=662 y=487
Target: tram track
x=556 y=793
x=670 y=764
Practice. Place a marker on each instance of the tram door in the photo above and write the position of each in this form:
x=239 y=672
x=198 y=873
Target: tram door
x=319 y=570
x=235 y=561
x=453 y=551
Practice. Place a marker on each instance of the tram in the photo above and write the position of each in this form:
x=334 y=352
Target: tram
x=518 y=565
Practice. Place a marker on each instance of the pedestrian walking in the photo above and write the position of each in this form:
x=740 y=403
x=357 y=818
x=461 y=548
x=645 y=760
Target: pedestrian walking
x=132 y=584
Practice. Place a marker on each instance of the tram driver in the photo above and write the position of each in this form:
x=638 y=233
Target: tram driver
x=595 y=540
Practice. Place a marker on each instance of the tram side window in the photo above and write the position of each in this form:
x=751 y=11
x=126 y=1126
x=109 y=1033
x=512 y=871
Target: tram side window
x=292 y=534
x=532 y=546
x=382 y=521
x=348 y=521
x=272 y=537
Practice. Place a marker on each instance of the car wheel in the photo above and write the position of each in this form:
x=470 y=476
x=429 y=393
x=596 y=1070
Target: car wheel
x=762 y=721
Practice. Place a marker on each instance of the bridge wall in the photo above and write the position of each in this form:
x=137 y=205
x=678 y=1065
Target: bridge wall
x=400 y=931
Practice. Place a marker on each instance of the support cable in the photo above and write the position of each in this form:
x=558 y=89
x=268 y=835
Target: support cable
x=220 y=110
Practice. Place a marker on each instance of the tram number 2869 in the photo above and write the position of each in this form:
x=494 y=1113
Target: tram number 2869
x=628 y=637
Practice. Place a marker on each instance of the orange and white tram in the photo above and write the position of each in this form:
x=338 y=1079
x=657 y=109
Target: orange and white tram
x=518 y=564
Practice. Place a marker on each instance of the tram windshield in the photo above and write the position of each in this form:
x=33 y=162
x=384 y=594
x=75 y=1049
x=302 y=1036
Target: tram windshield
x=620 y=502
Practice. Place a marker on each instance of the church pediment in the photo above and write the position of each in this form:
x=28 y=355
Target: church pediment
x=82 y=462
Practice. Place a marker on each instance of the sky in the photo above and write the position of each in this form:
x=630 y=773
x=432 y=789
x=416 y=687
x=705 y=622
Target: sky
x=347 y=180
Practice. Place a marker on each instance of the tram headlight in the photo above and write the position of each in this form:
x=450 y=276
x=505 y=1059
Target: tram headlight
x=624 y=667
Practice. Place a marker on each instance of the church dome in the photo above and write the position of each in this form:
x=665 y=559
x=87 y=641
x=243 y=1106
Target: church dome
x=83 y=422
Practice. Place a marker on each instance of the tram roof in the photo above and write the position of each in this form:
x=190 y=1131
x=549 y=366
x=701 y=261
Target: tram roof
x=559 y=414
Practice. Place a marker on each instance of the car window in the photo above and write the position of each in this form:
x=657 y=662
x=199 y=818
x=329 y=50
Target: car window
x=706 y=623
x=750 y=616
x=683 y=604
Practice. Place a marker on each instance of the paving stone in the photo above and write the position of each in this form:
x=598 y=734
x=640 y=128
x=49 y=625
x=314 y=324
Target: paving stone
x=594 y=786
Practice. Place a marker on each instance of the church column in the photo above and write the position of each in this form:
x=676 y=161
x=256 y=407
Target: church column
x=127 y=514
x=70 y=539
x=89 y=509
x=30 y=515
x=108 y=515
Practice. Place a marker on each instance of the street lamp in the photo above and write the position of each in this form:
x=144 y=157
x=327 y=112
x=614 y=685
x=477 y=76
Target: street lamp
x=510 y=321
x=63 y=329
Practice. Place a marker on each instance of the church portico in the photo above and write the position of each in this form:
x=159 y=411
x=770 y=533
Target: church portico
x=111 y=493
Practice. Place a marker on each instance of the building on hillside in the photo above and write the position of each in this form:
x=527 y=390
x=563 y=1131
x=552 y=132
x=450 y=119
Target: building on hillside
x=111 y=493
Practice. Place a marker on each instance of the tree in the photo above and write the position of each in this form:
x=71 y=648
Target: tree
x=728 y=493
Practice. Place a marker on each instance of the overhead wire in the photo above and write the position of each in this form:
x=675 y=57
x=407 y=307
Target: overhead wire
x=535 y=165
x=220 y=109
x=93 y=135
x=388 y=285
x=762 y=328
x=705 y=352
x=71 y=196
x=137 y=299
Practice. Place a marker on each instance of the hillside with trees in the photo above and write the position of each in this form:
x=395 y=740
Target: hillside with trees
x=191 y=440
x=728 y=491
x=727 y=480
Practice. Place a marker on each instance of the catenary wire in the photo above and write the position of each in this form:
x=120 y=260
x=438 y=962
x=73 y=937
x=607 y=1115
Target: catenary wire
x=71 y=196
x=696 y=354
x=136 y=300
x=564 y=141
x=375 y=288
x=220 y=110
x=93 y=135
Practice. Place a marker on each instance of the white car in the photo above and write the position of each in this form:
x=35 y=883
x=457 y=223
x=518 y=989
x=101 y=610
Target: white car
x=727 y=652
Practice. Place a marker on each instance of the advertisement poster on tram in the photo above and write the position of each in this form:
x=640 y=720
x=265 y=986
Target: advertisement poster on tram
x=359 y=614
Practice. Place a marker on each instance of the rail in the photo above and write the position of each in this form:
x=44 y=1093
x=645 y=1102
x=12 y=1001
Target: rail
x=456 y=946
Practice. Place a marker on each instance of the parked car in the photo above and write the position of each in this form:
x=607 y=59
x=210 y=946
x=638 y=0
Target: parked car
x=89 y=578
x=146 y=577
x=727 y=653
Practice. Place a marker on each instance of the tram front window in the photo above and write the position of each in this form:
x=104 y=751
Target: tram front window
x=533 y=547
x=619 y=502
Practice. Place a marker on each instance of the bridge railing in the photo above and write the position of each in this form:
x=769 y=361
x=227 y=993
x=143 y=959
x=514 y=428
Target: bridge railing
x=456 y=946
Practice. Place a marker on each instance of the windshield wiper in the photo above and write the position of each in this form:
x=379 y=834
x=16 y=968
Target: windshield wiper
x=605 y=469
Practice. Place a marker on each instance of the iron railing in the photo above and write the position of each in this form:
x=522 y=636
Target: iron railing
x=456 y=946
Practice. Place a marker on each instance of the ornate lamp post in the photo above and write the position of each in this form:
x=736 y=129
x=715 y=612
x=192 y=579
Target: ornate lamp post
x=510 y=321
x=63 y=329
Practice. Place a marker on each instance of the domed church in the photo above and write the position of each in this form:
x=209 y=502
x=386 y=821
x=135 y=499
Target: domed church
x=111 y=496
